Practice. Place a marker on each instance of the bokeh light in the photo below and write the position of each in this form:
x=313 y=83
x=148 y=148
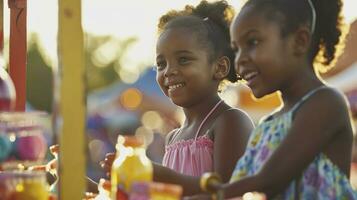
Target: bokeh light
x=145 y=134
x=131 y=98
x=152 y=120
x=230 y=96
x=128 y=75
x=96 y=149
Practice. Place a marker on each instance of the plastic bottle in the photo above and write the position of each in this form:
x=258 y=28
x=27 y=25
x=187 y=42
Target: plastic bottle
x=130 y=166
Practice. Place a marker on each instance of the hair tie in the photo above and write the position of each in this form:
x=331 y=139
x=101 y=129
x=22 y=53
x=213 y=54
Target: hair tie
x=313 y=21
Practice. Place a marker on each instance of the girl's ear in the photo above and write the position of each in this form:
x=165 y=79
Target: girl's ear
x=222 y=67
x=302 y=40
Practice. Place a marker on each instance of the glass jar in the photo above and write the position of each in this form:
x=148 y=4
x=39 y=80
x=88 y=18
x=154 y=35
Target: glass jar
x=22 y=139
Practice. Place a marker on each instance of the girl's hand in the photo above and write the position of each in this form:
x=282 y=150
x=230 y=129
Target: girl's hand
x=51 y=167
x=107 y=163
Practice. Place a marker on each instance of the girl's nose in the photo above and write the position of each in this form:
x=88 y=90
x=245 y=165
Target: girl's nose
x=241 y=59
x=170 y=70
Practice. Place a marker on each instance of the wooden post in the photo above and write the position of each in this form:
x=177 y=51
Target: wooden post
x=72 y=101
x=18 y=54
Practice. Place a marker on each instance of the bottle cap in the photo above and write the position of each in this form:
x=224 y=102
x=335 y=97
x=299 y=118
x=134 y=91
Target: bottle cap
x=133 y=141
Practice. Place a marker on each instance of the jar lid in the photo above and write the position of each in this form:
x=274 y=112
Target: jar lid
x=130 y=141
x=20 y=121
x=21 y=174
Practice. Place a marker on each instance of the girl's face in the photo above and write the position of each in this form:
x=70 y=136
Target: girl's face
x=263 y=56
x=183 y=69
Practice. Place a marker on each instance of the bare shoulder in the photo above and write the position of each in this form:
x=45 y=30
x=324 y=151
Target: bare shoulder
x=326 y=111
x=233 y=120
x=330 y=95
x=234 y=116
x=327 y=106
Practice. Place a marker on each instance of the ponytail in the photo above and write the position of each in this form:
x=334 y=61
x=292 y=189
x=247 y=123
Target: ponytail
x=328 y=31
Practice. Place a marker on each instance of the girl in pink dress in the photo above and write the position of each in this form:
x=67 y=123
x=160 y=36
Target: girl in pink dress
x=193 y=58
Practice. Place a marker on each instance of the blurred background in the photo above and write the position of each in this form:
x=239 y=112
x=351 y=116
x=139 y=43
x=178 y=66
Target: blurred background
x=122 y=94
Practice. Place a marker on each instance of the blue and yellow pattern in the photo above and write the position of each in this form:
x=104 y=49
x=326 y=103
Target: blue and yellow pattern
x=321 y=180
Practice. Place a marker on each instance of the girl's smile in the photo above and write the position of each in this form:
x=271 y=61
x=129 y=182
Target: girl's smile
x=174 y=89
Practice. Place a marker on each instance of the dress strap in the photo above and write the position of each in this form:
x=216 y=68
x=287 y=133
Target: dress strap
x=307 y=96
x=205 y=119
x=177 y=132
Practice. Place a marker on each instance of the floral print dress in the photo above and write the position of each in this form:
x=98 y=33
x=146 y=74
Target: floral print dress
x=320 y=180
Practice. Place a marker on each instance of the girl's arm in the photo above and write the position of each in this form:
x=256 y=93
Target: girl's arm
x=316 y=124
x=231 y=133
x=190 y=184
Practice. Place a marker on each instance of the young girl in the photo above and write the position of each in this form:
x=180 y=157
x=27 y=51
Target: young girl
x=303 y=150
x=193 y=58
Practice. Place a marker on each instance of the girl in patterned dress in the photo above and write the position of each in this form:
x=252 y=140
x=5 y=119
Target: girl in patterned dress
x=303 y=149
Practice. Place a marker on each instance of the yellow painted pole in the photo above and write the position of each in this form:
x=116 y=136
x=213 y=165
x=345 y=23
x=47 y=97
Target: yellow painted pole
x=72 y=101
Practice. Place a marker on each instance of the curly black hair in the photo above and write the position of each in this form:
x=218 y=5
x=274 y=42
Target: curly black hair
x=293 y=13
x=211 y=21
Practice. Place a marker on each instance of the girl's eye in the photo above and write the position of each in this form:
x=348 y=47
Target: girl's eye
x=183 y=60
x=253 y=42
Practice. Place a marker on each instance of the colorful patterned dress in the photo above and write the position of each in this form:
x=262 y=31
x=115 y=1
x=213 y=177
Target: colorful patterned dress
x=321 y=180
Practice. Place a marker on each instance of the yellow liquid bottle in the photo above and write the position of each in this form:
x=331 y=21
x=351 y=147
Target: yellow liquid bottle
x=130 y=166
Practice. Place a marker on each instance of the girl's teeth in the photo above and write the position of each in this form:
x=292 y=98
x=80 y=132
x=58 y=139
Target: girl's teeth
x=175 y=86
x=250 y=75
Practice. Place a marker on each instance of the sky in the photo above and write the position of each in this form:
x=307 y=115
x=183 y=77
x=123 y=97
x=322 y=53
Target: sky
x=118 y=18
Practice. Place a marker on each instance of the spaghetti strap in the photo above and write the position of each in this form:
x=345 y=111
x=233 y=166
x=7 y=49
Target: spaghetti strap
x=199 y=128
x=205 y=119
x=178 y=131
x=306 y=96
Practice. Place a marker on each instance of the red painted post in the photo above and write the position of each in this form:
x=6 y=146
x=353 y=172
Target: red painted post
x=18 y=47
x=1 y=29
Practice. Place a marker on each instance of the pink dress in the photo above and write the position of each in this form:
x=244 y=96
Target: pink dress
x=191 y=157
